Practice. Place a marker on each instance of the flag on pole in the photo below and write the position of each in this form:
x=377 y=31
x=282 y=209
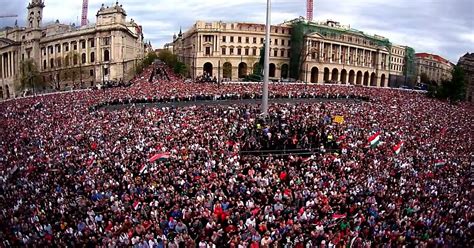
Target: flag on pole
x=136 y=205
x=160 y=157
x=398 y=147
x=143 y=168
x=374 y=140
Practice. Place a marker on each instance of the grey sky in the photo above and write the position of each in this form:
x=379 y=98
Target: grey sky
x=444 y=27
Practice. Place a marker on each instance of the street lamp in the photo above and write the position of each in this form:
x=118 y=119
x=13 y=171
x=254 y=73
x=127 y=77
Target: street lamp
x=266 y=62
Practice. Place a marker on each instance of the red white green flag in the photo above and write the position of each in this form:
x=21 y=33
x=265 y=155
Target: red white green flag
x=160 y=157
x=398 y=147
x=374 y=140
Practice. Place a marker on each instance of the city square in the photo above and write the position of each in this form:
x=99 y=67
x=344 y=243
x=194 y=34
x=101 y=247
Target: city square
x=233 y=134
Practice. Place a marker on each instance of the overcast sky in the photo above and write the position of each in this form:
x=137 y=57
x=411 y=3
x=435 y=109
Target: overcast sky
x=444 y=27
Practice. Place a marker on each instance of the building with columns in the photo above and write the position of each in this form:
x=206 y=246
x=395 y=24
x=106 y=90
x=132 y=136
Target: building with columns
x=324 y=52
x=434 y=66
x=67 y=55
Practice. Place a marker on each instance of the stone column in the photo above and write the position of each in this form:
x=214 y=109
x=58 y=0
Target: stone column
x=10 y=64
x=321 y=51
x=339 y=55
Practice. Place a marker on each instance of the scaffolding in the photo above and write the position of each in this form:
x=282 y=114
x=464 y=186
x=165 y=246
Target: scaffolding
x=302 y=28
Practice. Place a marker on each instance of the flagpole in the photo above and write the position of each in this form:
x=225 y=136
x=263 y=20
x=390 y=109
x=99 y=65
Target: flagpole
x=266 y=62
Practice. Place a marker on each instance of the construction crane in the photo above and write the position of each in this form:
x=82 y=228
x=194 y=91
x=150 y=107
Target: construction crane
x=309 y=10
x=8 y=16
x=85 y=7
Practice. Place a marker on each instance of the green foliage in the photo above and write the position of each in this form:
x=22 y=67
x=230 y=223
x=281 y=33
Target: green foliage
x=454 y=90
x=168 y=57
x=180 y=68
x=29 y=77
x=145 y=62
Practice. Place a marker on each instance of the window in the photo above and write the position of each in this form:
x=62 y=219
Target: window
x=289 y=42
x=289 y=53
x=74 y=59
x=223 y=39
x=83 y=58
x=75 y=46
x=231 y=51
x=232 y=39
x=106 y=55
x=239 y=51
x=275 y=53
x=247 y=40
x=207 y=38
x=43 y=51
x=106 y=41
x=282 y=53
x=44 y=64
x=261 y=40
x=106 y=71
x=58 y=62
x=51 y=62
x=276 y=41
x=66 y=47
x=254 y=52
x=83 y=44
x=239 y=39
x=223 y=51
x=246 y=51
x=91 y=73
x=58 y=48
x=92 y=57
x=282 y=42
x=208 y=50
x=254 y=40
x=66 y=60
x=92 y=43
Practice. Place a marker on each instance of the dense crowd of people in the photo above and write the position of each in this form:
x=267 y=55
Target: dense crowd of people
x=393 y=171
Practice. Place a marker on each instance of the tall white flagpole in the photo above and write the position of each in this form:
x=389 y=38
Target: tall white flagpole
x=266 y=62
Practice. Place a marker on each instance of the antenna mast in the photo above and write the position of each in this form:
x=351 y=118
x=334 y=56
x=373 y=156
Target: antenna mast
x=309 y=10
x=85 y=6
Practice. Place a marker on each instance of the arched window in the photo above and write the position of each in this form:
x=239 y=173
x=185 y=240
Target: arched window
x=92 y=57
x=106 y=55
x=83 y=58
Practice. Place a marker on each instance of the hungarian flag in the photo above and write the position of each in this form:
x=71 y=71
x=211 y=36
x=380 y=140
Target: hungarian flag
x=160 y=157
x=398 y=147
x=136 y=205
x=440 y=162
x=143 y=168
x=374 y=140
x=338 y=216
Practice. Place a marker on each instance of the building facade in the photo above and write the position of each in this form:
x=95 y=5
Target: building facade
x=325 y=52
x=467 y=63
x=67 y=55
x=434 y=66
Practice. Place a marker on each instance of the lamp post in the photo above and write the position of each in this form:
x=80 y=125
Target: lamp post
x=266 y=62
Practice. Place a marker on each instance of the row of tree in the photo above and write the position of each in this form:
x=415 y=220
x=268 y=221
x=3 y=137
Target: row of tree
x=452 y=90
x=172 y=61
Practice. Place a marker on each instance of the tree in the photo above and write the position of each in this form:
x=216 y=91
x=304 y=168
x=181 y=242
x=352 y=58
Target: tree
x=29 y=77
x=424 y=78
x=168 y=57
x=180 y=68
x=454 y=90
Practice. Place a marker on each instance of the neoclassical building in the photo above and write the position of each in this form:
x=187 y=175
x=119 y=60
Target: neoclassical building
x=307 y=51
x=434 y=66
x=67 y=55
